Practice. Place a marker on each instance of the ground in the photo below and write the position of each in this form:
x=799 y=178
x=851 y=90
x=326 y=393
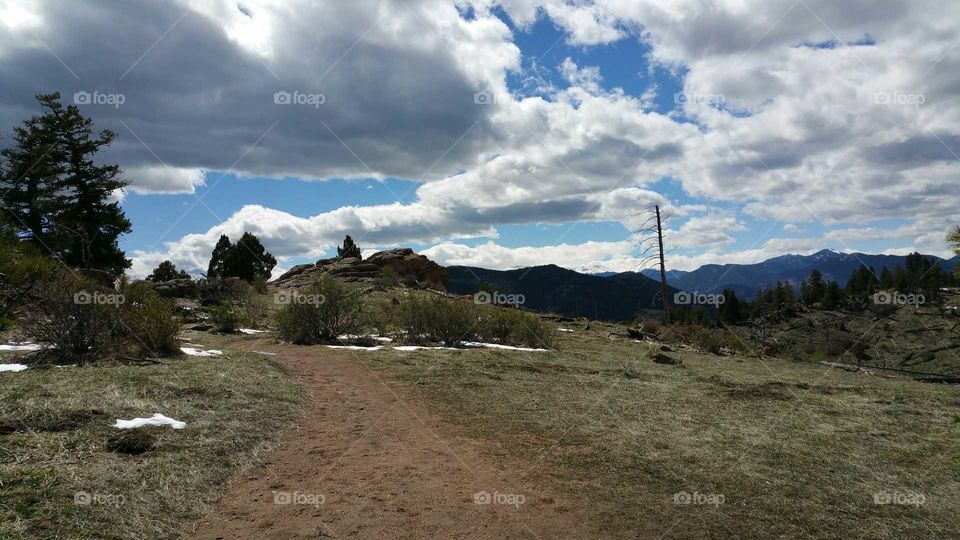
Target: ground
x=592 y=440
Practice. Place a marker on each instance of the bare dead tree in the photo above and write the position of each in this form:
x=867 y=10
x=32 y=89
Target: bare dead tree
x=652 y=253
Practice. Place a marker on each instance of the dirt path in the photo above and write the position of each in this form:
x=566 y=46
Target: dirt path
x=384 y=466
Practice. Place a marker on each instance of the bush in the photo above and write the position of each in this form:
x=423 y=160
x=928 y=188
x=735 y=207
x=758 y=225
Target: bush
x=383 y=316
x=150 y=321
x=515 y=327
x=65 y=315
x=320 y=313
x=226 y=318
x=432 y=318
x=256 y=310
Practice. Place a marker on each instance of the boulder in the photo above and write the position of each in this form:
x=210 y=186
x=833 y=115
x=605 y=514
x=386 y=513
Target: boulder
x=411 y=268
x=176 y=288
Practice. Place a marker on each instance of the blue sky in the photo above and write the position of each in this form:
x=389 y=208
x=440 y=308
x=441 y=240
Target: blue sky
x=798 y=129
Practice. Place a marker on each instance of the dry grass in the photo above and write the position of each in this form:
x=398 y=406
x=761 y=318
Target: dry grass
x=235 y=408
x=796 y=450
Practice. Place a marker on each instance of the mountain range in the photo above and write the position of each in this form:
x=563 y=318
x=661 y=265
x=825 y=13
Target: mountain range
x=619 y=297
x=748 y=279
x=605 y=295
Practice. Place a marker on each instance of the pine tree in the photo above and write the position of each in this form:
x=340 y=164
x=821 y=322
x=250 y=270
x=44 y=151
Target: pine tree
x=31 y=176
x=166 y=271
x=349 y=249
x=249 y=260
x=218 y=259
x=831 y=296
x=731 y=310
x=886 y=279
x=58 y=196
x=813 y=289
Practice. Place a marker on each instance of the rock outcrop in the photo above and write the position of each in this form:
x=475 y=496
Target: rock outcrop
x=175 y=288
x=400 y=266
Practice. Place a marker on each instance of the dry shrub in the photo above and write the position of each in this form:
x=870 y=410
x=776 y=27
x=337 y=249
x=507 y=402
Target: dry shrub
x=320 y=313
x=433 y=318
x=511 y=326
x=65 y=315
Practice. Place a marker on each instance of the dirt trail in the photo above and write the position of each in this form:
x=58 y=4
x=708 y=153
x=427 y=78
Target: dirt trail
x=385 y=466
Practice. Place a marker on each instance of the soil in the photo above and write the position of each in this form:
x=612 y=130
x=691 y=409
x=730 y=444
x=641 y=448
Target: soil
x=370 y=460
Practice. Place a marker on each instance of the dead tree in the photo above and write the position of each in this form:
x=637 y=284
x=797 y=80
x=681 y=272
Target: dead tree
x=653 y=242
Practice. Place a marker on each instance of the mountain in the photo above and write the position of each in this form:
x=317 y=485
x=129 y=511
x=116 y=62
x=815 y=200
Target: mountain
x=620 y=297
x=747 y=279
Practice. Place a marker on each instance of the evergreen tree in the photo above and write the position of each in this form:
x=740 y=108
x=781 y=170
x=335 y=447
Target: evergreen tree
x=813 y=288
x=731 y=311
x=249 y=260
x=349 y=249
x=166 y=271
x=886 y=279
x=58 y=195
x=218 y=259
x=31 y=177
x=831 y=296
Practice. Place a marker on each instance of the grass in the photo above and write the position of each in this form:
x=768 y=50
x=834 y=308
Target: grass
x=57 y=456
x=794 y=449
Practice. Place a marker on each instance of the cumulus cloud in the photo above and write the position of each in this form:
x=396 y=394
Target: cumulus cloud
x=811 y=112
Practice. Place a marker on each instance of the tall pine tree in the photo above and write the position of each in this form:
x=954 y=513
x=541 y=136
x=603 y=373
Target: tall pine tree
x=58 y=196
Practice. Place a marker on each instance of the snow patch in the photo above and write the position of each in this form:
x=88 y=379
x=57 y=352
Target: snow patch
x=566 y=330
x=155 y=420
x=499 y=346
x=12 y=367
x=251 y=331
x=197 y=352
x=20 y=347
x=266 y=353
x=356 y=347
x=418 y=347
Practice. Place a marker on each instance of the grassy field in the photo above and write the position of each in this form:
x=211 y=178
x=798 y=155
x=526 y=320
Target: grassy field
x=58 y=477
x=764 y=448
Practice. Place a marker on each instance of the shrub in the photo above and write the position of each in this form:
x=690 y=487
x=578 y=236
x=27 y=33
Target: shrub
x=328 y=309
x=150 y=321
x=437 y=319
x=256 y=309
x=388 y=278
x=515 y=327
x=64 y=315
x=86 y=323
x=383 y=316
x=226 y=318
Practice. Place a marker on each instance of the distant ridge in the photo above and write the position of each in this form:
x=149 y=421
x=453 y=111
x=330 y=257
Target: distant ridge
x=747 y=279
x=620 y=297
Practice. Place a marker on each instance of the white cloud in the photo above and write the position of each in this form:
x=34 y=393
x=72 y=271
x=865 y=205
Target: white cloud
x=828 y=134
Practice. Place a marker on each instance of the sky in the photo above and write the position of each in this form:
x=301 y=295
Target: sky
x=510 y=133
